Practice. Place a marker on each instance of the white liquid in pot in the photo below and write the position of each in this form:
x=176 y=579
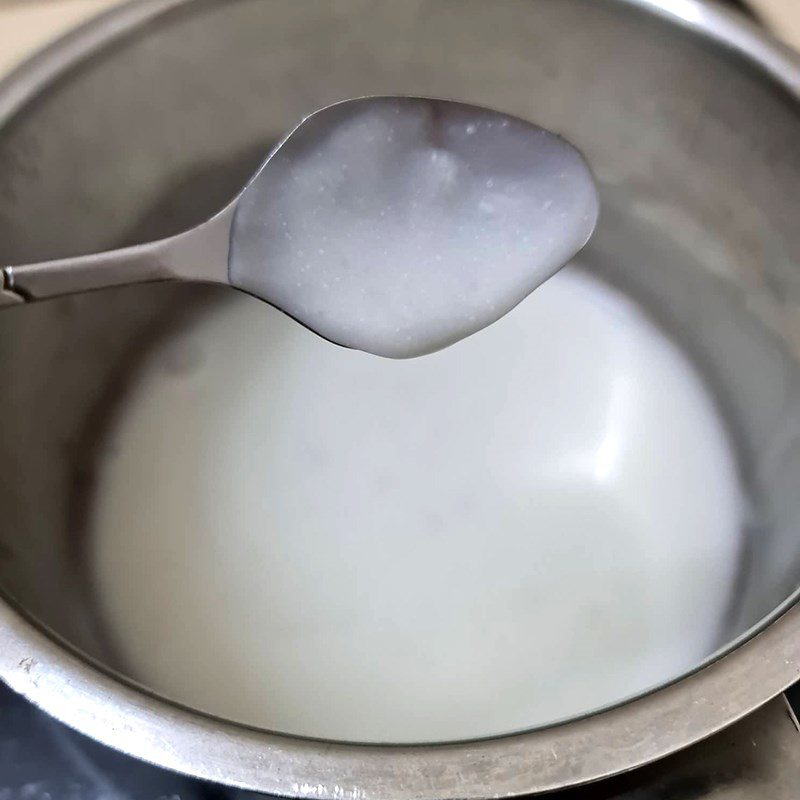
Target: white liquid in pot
x=538 y=521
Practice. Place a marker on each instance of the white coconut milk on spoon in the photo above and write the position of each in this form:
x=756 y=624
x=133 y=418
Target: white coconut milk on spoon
x=393 y=225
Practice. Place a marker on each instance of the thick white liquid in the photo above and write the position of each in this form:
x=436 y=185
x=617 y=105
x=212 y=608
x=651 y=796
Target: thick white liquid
x=538 y=521
x=401 y=225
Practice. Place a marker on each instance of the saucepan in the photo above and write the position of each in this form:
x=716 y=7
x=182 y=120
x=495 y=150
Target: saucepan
x=149 y=118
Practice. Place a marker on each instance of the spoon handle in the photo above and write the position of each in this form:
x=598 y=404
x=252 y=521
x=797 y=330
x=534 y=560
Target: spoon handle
x=84 y=273
x=199 y=254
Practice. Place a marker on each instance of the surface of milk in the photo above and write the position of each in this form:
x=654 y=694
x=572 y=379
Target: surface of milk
x=538 y=521
x=400 y=225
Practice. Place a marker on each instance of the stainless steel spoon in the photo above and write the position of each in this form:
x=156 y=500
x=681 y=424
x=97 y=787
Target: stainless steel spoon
x=394 y=225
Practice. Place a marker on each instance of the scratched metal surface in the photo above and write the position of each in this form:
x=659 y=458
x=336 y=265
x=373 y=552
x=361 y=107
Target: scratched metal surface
x=40 y=759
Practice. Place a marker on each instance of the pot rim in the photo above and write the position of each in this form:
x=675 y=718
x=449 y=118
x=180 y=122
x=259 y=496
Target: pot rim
x=48 y=672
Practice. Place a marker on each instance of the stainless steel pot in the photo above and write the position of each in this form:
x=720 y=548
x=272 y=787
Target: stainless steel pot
x=149 y=118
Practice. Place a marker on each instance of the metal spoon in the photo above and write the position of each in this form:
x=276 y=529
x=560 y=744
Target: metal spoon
x=394 y=225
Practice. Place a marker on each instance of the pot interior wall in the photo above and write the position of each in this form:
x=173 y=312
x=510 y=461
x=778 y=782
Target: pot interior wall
x=696 y=153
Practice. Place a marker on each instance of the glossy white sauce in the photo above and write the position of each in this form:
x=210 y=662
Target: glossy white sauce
x=540 y=520
x=399 y=225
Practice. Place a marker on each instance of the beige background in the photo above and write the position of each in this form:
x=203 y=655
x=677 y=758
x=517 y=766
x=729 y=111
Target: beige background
x=783 y=16
x=28 y=24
